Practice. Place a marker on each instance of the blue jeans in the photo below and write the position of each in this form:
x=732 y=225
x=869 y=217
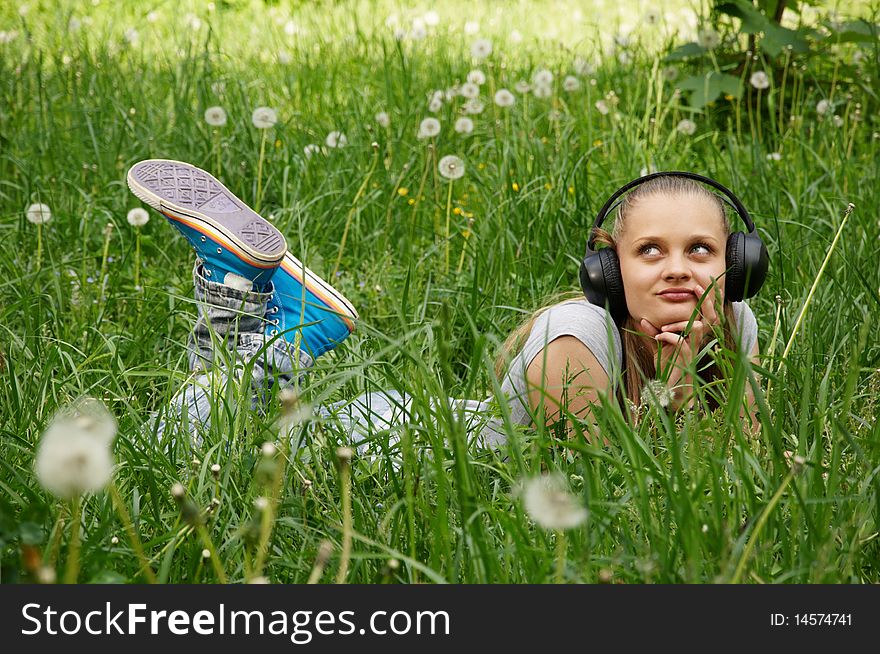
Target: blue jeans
x=229 y=342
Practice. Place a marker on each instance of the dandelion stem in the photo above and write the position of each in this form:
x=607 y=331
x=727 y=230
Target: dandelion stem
x=357 y=196
x=418 y=197
x=258 y=199
x=467 y=235
x=73 y=548
x=448 y=214
x=759 y=526
x=803 y=312
x=39 y=245
x=137 y=258
x=215 y=560
x=132 y=534
x=345 y=478
x=268 y=518
x=560 y=556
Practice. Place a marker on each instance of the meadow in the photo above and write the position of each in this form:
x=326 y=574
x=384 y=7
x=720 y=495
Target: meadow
x=440 y=271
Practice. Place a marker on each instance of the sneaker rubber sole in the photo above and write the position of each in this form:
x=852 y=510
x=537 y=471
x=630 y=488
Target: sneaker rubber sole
x=335 y=300
x=195 y=198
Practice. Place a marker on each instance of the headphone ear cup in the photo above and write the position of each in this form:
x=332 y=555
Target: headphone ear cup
x=734 y=280
x=601 y=282
x=747 y=263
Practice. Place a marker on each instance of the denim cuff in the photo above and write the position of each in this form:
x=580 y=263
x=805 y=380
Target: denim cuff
x=228 y=297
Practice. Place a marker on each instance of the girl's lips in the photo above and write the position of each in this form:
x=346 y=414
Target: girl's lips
x=677 y=297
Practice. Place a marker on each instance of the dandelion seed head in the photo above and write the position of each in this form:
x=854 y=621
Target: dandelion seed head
x=383 y=119
x=837 y=121
x=131 y=36
x=38 y=214
x=469 y=90
x=74 y=455
x=344 y=454
x=464 y=125
x=602 y=107
x=114 y=540
x=656 y=392
x=46 y=575
x=261 y=504
x=264 y=117
x=429 y=128
x=686 y=127
x=206 y=553
x=215 y=116
x=670 y=73
x=547 y=501
x=137 y=217
x=504 y=98
x=178 y=492
x=708 y=38
x=759 y=80
x=651 y=17
x=431 y=18
x=476 y=77
x=451 y=167
x=516 y=37
x=824 y=107
x=336 y=139
x=435 y=105
x=542 y=77
x=473 y=107
x=215 y=468
x=571 y=83
x=268 y=449
x=522 y=87
x=774 y=156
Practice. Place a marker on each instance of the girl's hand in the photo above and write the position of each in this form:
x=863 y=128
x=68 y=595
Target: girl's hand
x=679 y=348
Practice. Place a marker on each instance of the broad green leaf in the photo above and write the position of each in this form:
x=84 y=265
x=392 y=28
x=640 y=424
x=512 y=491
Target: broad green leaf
x=753 y=21
x=707 y=88
x=686 y=51
x=776 y=38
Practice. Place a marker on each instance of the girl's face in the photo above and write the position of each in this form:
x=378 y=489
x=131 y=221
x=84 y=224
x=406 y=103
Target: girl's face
x=671 y=241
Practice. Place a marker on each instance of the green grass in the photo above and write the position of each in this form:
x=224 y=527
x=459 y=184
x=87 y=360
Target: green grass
x=687 y=501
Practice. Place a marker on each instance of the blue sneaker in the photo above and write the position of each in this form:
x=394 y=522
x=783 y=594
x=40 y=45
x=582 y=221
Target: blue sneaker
x=323 y=315
x=227 y=235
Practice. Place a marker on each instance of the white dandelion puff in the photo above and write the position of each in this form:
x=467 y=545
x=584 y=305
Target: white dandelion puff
x=571 y=84
x=476 y=77
x=542 y=91
x=504 y=98
x=602 y=107
x=708 y=38
x=473 y=107
x=759 y=80
x=837 y=121
x=651 y=17
x=137 y=217
x=383 y=119
x=429 y=128
x=656 y=392
x=153 y=16
x=481 y=48
x=284 y=57
x=670 y=73
x=336 y=139
x=824 y=106
x=192 y=21
x=583 y=67
x=464 y=125
x=522 y=87
x=547 y=501
x=686 y=127
x=291 y=28
x=469 y=90
x=215 y=116
x=451 y=167
x=264 y=117
x=435 y=105
x=542 y=77
x=39 y=214
x=624 y=57
x=73 y=457
x=431 y=18
x=74 y=24
x=131 y=36
x=516 y=37
x=774 y=156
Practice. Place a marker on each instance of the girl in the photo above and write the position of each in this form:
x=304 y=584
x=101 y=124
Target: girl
x=259 y=305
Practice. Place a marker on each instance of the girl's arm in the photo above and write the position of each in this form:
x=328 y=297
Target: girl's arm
x=565 y=368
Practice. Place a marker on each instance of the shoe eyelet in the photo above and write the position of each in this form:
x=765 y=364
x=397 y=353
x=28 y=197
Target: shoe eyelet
x=275 y=322
x=207 y=273
x=274 y=310
x=219 y=251
x=273 y=332
x=204 y=239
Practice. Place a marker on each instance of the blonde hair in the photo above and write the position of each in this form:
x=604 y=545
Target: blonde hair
x=638 y=362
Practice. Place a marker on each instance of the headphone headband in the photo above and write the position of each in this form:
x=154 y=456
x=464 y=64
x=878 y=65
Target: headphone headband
x=734 y=201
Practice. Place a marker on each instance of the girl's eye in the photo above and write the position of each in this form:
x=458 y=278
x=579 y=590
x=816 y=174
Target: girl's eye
x=650 y=246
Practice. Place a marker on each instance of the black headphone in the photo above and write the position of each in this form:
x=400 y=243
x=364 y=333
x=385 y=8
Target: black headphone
x=747 y=257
